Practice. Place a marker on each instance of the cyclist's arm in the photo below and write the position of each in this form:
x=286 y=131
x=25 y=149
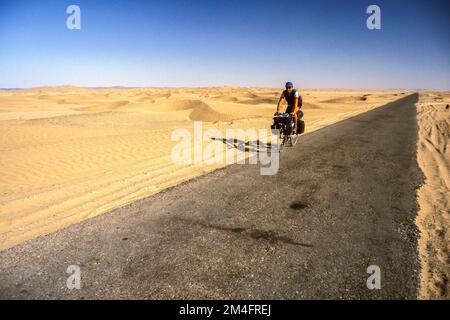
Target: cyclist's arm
x=279 y=104
x=295 y=106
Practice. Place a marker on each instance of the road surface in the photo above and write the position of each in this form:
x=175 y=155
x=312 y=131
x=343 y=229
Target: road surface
x=344 y=199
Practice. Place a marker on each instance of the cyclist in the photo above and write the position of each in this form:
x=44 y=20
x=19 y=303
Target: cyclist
x=294 y=102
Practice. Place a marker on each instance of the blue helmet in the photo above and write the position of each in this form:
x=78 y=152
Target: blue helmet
x=289 y=85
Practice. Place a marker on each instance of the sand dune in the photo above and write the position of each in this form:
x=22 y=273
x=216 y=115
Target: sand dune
x=347 y=99
x=146 y=99
x=204 y=112
x=178 y=105
x=434 y=217
x=308 y=105
x=71 y=153
x=104 y=106
x=259 y=100
x=199 y=110
x=226 y=99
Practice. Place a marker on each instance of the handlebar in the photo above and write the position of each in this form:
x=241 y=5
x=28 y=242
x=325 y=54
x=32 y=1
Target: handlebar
x=282 y=115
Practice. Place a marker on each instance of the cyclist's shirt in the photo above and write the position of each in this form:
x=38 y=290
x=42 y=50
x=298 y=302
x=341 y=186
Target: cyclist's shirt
x=290 y=98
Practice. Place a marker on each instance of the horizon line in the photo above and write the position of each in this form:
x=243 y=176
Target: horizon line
x=214 y=86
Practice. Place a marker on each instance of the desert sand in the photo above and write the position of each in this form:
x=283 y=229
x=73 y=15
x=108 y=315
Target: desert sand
x=69 y=154
x=433 y=219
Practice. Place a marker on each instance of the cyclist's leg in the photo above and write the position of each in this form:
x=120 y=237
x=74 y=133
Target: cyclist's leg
x=295 y=122
x=290 y=109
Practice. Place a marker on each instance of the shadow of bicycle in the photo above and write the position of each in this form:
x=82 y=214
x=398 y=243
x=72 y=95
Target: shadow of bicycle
x=255 y=146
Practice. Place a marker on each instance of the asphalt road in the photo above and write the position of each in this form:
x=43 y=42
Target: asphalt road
x=343 y=199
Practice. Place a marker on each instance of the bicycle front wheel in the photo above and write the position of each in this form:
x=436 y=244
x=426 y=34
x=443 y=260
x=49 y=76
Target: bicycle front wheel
x=293 y=139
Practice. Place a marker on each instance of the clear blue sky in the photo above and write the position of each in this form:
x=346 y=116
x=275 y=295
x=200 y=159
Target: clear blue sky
x=314 y=43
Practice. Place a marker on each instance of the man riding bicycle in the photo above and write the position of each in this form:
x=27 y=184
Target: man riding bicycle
x=294 y=102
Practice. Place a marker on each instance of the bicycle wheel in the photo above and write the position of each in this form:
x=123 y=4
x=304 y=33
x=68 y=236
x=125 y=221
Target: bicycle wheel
x=293 y=139
x=280 y=141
